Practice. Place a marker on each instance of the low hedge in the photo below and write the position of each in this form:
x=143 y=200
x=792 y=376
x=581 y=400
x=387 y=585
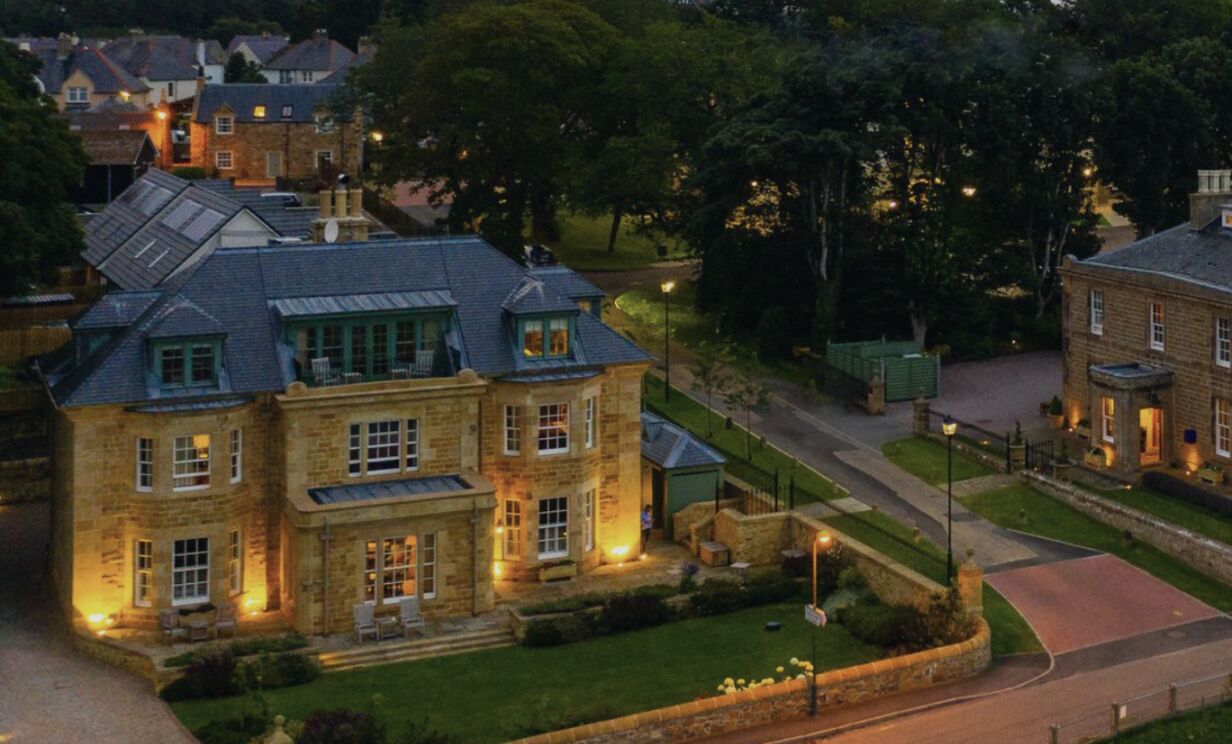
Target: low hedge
x=589 y=600
x=243 y=647
x=217 y=673
x=1170 y=485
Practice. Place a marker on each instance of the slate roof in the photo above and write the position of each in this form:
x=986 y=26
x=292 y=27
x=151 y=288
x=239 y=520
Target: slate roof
x=532 y=295
x=433 y=485
x=289 y=222
x=669 y=446
x=115 y=310
x=312 y=54
x=128 y=213
x=567 y=281
x=303 y=98
x=160 y=58
x=236 y=287
x=106 y=76
x=182 y=317
x=264 y=46
x=116 y=147
x=1199 y=256
x=340 y=75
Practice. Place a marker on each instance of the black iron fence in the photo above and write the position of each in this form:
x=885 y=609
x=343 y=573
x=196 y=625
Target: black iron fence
x=1039 y=455
x=974 y=435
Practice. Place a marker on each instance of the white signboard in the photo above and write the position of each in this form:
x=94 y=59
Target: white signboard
x=815 y=615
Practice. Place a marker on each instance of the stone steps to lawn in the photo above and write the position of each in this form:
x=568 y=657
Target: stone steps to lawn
x=387 y=652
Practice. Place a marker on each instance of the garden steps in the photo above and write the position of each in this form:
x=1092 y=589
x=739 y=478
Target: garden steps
x=387 y=652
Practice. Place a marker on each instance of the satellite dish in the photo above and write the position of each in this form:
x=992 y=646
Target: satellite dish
x=331 y=231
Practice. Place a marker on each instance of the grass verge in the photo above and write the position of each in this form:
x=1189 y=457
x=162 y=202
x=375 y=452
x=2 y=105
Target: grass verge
x=1190 y=516
x=583 y=245
x=1047 y=517
x=1208 y=725
x=496 y=695
x=1010 y=632
x=926 y=460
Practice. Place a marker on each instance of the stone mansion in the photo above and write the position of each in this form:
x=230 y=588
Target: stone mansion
x=303 y=428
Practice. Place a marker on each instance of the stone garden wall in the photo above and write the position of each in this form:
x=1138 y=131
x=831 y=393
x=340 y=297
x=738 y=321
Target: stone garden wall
x=758 y=539
x=722 y=714
x=694 y=513
x=1208 y=556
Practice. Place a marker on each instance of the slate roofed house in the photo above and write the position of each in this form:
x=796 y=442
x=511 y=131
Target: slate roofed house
x=266 y=132
x=79 y=76
x=169 y=65
x=118 y=157
x=257 y=48
x=410 y=418
x=309 y=61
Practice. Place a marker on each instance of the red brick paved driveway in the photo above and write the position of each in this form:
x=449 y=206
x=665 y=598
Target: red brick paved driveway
x=1087 y=601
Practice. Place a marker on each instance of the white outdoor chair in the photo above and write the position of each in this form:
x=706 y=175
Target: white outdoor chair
x=409 y=617
x=423 y=362
x=365 y=622
x=323 y=371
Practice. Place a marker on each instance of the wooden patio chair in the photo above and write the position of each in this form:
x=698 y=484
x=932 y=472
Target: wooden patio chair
x=365 y=622
x=169 y=624
x=409 y=617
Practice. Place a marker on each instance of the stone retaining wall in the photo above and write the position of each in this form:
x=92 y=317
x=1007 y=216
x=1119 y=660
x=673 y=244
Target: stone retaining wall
x=758 y=539
x=1208 y=556
x=694 y=513
x=989 y=459
x=118 y=655
x=723 y=714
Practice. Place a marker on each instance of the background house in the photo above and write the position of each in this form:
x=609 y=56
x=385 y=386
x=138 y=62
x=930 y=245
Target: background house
x=309 y=61
x=257 y=49
x=168 y=65
x=77 y=75
x=117 y=158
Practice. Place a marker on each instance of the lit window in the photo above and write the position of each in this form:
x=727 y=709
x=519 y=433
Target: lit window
x=354 y=463
x=384 y=443
x=553 y=527
x=558 y=337
x=1097 y=312
x=223 y=160
x=143 y=572
x=553 y=428
x=1157 y=326
x=235 y=562
x=588 y=520
x=258 y=112
x=513 y=527
x=397 y=568
x=145 y=464
x=1108 y=420
x=1223 y=427
x=1223 y=342
x=590 y=422
x=190 y=571
x=412 y=444
x=513 y=430
x=224 y=124
x=532 y=338
x=427 y=557
x=191 y=466
x=237 y=455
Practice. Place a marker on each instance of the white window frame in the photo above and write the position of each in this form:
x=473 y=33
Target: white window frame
x=380 y=573
x=513 y=430
x=144 y=475
x=143 y=572
x=323 y=123
x=77 y=94
x=224 y=160
x=329 y=156
x=224 y=129
x=1096 y=306
x=553 y=533
x=590 y=422
x=235 y=562
x=196 y=575
x=1223 y=342
x=553 y=440
x=1107 y=412
x=306 y=76
x=237 y=455
x=1155 y=325
x=355 y=457
x=1223 y=427
x=412 y=445
x=200 y=465
x=383 y=439
x=427 y=565
x=513 y=528
x=286 y=77
x=588 y=519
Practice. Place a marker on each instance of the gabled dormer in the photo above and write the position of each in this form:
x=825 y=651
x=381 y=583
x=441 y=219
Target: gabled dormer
x=185 y=349
x=544 y=324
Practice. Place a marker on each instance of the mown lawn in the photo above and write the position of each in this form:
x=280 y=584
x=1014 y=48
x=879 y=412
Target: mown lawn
x=692 y=415
x=1183 y=514
x=1210 y=725
x=583 y=245
x=926 y=460
x=1010 y=632
x=500 y=694
x=1050 y=518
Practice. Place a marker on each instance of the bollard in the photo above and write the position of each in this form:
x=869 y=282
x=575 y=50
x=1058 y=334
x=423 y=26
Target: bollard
x=1116 y=719
x=279 y=736
x=1173 y=696
x=1054 y=734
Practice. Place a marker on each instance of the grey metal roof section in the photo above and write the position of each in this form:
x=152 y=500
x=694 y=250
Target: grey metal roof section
x=116 y=310
x=429 y=487
x=57 y=298
x=1200 y=256
x=566 y=281
x=237 y=286
x=532 y=296
x=128 y=213
x=669 y=446
x=294 y=307
x=553 y=377
x=182 y=317
x=214 y=404
x=312 y=54
x=242 y=98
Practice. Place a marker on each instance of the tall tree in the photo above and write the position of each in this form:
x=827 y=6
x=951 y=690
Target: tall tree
x=240 y=70
x=43 y=161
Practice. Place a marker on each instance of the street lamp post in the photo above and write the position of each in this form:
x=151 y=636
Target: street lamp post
x=667 y=288
x=823 y=540
x=949 y=427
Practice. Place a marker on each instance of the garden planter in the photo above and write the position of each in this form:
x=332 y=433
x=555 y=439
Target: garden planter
x=1060 y=470
x=1095 y=458
x=1018 y=456
x=1056 y=422
x=1083 y=430
x=1211 y=476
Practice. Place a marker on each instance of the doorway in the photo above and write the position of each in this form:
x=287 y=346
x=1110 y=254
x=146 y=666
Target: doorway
x=273 y=164
x=1150 y=435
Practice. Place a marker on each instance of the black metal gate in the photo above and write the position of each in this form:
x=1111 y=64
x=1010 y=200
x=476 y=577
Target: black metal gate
x=1039 y=455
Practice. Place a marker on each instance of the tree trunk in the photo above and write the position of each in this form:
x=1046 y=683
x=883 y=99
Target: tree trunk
x=543 y=218
x=919 y=327
x=618 y=213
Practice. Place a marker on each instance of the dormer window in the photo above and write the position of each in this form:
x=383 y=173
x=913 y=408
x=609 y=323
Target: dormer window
x=287 y=111
x=187 y=363
x=545 y=337
x=258 y=112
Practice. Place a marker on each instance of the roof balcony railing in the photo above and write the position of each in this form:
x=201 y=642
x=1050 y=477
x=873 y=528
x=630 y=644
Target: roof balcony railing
x=327 y=372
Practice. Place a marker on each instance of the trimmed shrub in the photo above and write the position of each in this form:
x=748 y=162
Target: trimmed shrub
x=341 y=726
x=942 y=622
x=772 y=592
x=1188 y=492
x=851 y=578
x=278 y=670
x=250 y=724
x=212 y=675
x=555 y=631
x=830 y=566
x=875 y=623
x=189 y=172
x=716 y=597
x=245 y=647
x=632 y=611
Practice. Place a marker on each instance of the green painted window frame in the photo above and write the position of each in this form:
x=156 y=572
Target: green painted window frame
x=374 y=364
x=187 y=347
x=546 y=321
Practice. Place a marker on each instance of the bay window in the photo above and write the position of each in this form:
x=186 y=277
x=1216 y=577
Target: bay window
x=553 y=428
x=1108 y=419
x=553 y=527
x=190 y=571
x=191 y=463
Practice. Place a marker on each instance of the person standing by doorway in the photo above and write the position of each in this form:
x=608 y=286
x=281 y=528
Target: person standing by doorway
x=647 y=526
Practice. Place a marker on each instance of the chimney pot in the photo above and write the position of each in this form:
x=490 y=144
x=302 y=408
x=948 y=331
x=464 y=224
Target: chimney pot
x=1214 y=191
x=64 y=45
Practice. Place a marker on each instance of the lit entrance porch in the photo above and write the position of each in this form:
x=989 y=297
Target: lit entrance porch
x=1130 y=405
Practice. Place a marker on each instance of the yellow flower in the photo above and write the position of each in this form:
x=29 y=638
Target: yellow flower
x=740 y=681
x=721 y=688
x=729 y=690
x=794 y=661
x=728 y=682
x=779 y=670
x=768 y=681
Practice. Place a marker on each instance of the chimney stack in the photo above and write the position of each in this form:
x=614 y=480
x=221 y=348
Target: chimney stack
x=64 y=46
x=344 y=206
x=1214 y=191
